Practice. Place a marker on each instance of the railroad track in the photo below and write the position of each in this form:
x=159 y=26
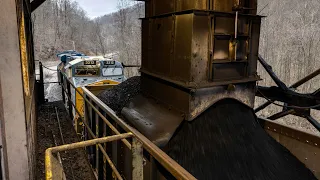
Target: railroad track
x=58 y=137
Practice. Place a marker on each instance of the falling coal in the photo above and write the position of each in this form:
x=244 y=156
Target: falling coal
x=225 y=142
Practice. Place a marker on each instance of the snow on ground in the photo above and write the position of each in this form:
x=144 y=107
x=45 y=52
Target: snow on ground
x=51 y=87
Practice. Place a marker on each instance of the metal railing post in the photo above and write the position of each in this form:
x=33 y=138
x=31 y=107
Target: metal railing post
x=69 y=100
x=137 y=159
x=41 y=84
x=62 y=87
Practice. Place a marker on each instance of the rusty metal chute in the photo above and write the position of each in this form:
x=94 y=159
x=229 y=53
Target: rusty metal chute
x=194 y=54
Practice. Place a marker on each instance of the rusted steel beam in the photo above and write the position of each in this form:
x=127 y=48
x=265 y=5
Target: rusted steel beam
x=281 y=114
x=264 y=105
x=269 y=70
x=35 y=4
x=294 y=86
x=314 y=122
x=317 y=93
x=294 y=99
x=306 y=79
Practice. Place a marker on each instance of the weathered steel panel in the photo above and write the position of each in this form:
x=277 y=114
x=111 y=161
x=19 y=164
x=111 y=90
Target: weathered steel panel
x=182 y=5
x=162 y=29
x=145 y=44
x=156 y=122
x=305 y=146
x=204 y=98
x=182 y=47
x=159 y=7
x=165 y=93
x=223 y=5
x=254 y=46
x=200 y=49
x=163 y=6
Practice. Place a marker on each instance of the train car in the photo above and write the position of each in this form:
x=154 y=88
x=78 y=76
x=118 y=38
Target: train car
x=65 y=57
x=89 y=71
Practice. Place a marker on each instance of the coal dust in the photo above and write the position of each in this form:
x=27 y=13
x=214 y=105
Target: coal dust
x=225 y=142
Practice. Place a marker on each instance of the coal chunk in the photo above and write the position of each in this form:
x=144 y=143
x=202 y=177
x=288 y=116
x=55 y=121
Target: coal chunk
x=227 y=142
x=119 y=96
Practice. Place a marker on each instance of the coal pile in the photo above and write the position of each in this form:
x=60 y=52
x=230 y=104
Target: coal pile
x=119 y=96
x=226 y=142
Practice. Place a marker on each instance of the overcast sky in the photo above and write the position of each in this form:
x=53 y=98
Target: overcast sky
x=97 y=8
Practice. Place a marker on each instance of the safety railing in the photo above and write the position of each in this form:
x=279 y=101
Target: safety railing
x=54 y=169
x=102 y=125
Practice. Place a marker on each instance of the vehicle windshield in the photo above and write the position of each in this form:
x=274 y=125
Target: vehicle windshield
x=112 y=71
x=87 y=72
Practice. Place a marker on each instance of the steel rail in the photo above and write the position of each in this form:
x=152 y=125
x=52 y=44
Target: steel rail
x=62 y=139
x=58 y=154
x=59 y=125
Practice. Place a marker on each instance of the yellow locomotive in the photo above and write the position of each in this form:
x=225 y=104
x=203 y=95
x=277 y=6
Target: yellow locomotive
x=95 y=72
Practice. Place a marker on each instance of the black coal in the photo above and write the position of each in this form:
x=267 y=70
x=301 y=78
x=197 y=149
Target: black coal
x=119 y=96
x=225 y=142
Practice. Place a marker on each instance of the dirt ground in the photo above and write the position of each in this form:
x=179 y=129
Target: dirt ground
x=75 y=163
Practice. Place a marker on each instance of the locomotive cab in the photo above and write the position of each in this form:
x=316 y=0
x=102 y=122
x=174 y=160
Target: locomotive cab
x=113 y=70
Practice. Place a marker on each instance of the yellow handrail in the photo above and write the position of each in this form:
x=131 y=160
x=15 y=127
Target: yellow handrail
x=168 y=163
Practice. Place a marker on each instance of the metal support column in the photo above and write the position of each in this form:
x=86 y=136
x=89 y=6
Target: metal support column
x=41 y=96
x=69 y=100
x=62 y=89
x=137 y=159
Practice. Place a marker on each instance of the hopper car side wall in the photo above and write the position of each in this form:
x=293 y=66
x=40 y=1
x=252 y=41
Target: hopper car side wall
x=303 y=145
